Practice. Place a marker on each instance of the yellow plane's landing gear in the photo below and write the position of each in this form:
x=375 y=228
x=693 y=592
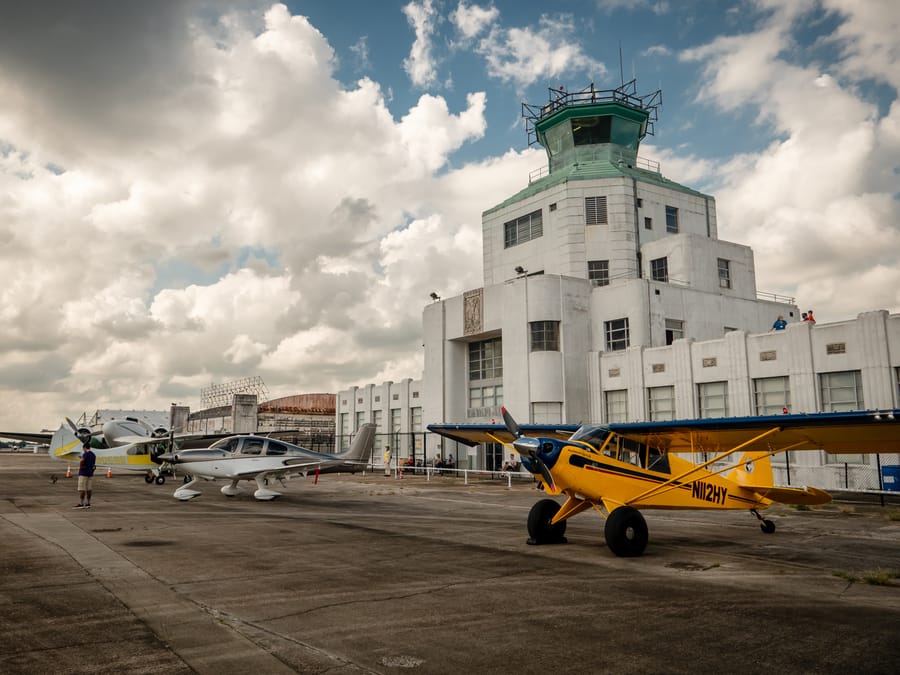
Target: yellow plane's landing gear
x=766 y=526
x=626 y=532
x=540 y=531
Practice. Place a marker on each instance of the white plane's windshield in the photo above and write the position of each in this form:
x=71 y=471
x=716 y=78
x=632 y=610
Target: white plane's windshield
x=592 y=434
x=226 y=444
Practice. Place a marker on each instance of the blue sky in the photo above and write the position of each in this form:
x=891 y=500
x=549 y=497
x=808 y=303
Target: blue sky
x=199 y=191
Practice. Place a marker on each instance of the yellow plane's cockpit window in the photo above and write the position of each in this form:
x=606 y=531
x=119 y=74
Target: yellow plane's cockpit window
x=594 y=435
x=630 y=451
x=658 y=460
x=252 y=446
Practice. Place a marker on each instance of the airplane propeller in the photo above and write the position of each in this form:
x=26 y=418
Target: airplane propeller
x=528 y=447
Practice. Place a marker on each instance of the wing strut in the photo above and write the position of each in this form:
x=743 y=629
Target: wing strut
x=671 y=483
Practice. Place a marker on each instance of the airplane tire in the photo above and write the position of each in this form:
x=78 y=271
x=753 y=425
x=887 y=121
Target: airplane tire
x=767 y=526
x=148 y=478
x=160 y=480
x=626 y=532
x=540 y=530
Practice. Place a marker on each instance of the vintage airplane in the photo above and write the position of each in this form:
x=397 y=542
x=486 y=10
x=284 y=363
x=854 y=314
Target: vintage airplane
x=129 y=443
x=262 y=459
x=617 y=469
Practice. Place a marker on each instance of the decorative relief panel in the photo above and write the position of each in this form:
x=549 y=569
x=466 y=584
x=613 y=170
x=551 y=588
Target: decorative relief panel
x=473 y=312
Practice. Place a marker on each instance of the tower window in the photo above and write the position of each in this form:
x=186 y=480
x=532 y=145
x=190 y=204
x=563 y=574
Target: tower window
x=522 y=229
x=724 y=273
x=595 y=210
x=672 y=219
x=598 y=272
x=591 y=130
x=648 y=223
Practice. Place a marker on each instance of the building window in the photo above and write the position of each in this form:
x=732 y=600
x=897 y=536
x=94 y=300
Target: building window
x=485 y=400
x=659 y=269
x=415 y=394
x=595 y=210
x=522 y=229
x=415 y=419
x=616 y=406
x=713 y=398
x=841 y=391
x=376 y=419
x=661 y=403
x=771 y=395
x=674 y=330
x=549 y=412
x=395 y=420
x=485 y=359
x=598 y=272
x=724 y=273
x=648 y=223
x=671 y=219
x=378 y=399
x=395 y=397
x=360 y=419
x=640 y=203
x=617 y=336
x=545 y=336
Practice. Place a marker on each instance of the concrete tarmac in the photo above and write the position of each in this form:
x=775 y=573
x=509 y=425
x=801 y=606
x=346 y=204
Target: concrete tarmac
x=368 y=574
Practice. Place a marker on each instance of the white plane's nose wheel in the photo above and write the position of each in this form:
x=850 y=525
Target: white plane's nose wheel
x=765 y=525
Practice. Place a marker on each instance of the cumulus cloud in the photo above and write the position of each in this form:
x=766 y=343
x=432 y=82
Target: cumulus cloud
x=420 y=65
x=214 y=205
x=470 y=20
x=529 y=54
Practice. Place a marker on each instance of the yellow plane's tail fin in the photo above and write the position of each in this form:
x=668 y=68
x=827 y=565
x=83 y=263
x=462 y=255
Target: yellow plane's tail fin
x=754 y=471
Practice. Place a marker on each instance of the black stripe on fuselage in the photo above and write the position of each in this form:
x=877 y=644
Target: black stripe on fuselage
x=613 y=469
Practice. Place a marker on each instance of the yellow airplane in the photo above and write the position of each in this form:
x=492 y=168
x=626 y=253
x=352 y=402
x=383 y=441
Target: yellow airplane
x=617 y=469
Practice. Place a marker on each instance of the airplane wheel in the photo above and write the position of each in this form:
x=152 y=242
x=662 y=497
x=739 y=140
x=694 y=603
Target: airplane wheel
x=148 y=478
x=540 y=530
x=767 y=526
x=160 y=480
x=626 y=532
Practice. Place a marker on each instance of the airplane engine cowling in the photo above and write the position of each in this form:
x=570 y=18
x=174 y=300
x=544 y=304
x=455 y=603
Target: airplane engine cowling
x=159 y=432
x=84 y=434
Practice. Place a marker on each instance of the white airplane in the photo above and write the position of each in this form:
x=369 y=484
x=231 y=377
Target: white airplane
x=260 y=458
x=128 y=443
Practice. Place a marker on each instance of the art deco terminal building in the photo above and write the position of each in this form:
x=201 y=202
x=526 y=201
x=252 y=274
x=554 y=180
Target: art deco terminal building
x=608 y=296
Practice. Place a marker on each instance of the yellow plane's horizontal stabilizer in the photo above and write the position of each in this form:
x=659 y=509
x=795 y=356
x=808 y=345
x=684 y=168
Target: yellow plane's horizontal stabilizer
x=785 y=495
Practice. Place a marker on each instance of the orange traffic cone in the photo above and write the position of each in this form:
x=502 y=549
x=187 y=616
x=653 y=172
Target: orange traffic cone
x=109 y=472
x=68 y=471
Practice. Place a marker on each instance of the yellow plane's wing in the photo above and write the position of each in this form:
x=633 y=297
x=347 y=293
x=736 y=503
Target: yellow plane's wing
x=863 y=432
x=473 y=434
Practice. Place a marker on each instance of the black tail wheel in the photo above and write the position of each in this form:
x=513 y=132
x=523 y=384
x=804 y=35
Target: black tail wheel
x=540 y=530
x=767 y=526
x=626 y=532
